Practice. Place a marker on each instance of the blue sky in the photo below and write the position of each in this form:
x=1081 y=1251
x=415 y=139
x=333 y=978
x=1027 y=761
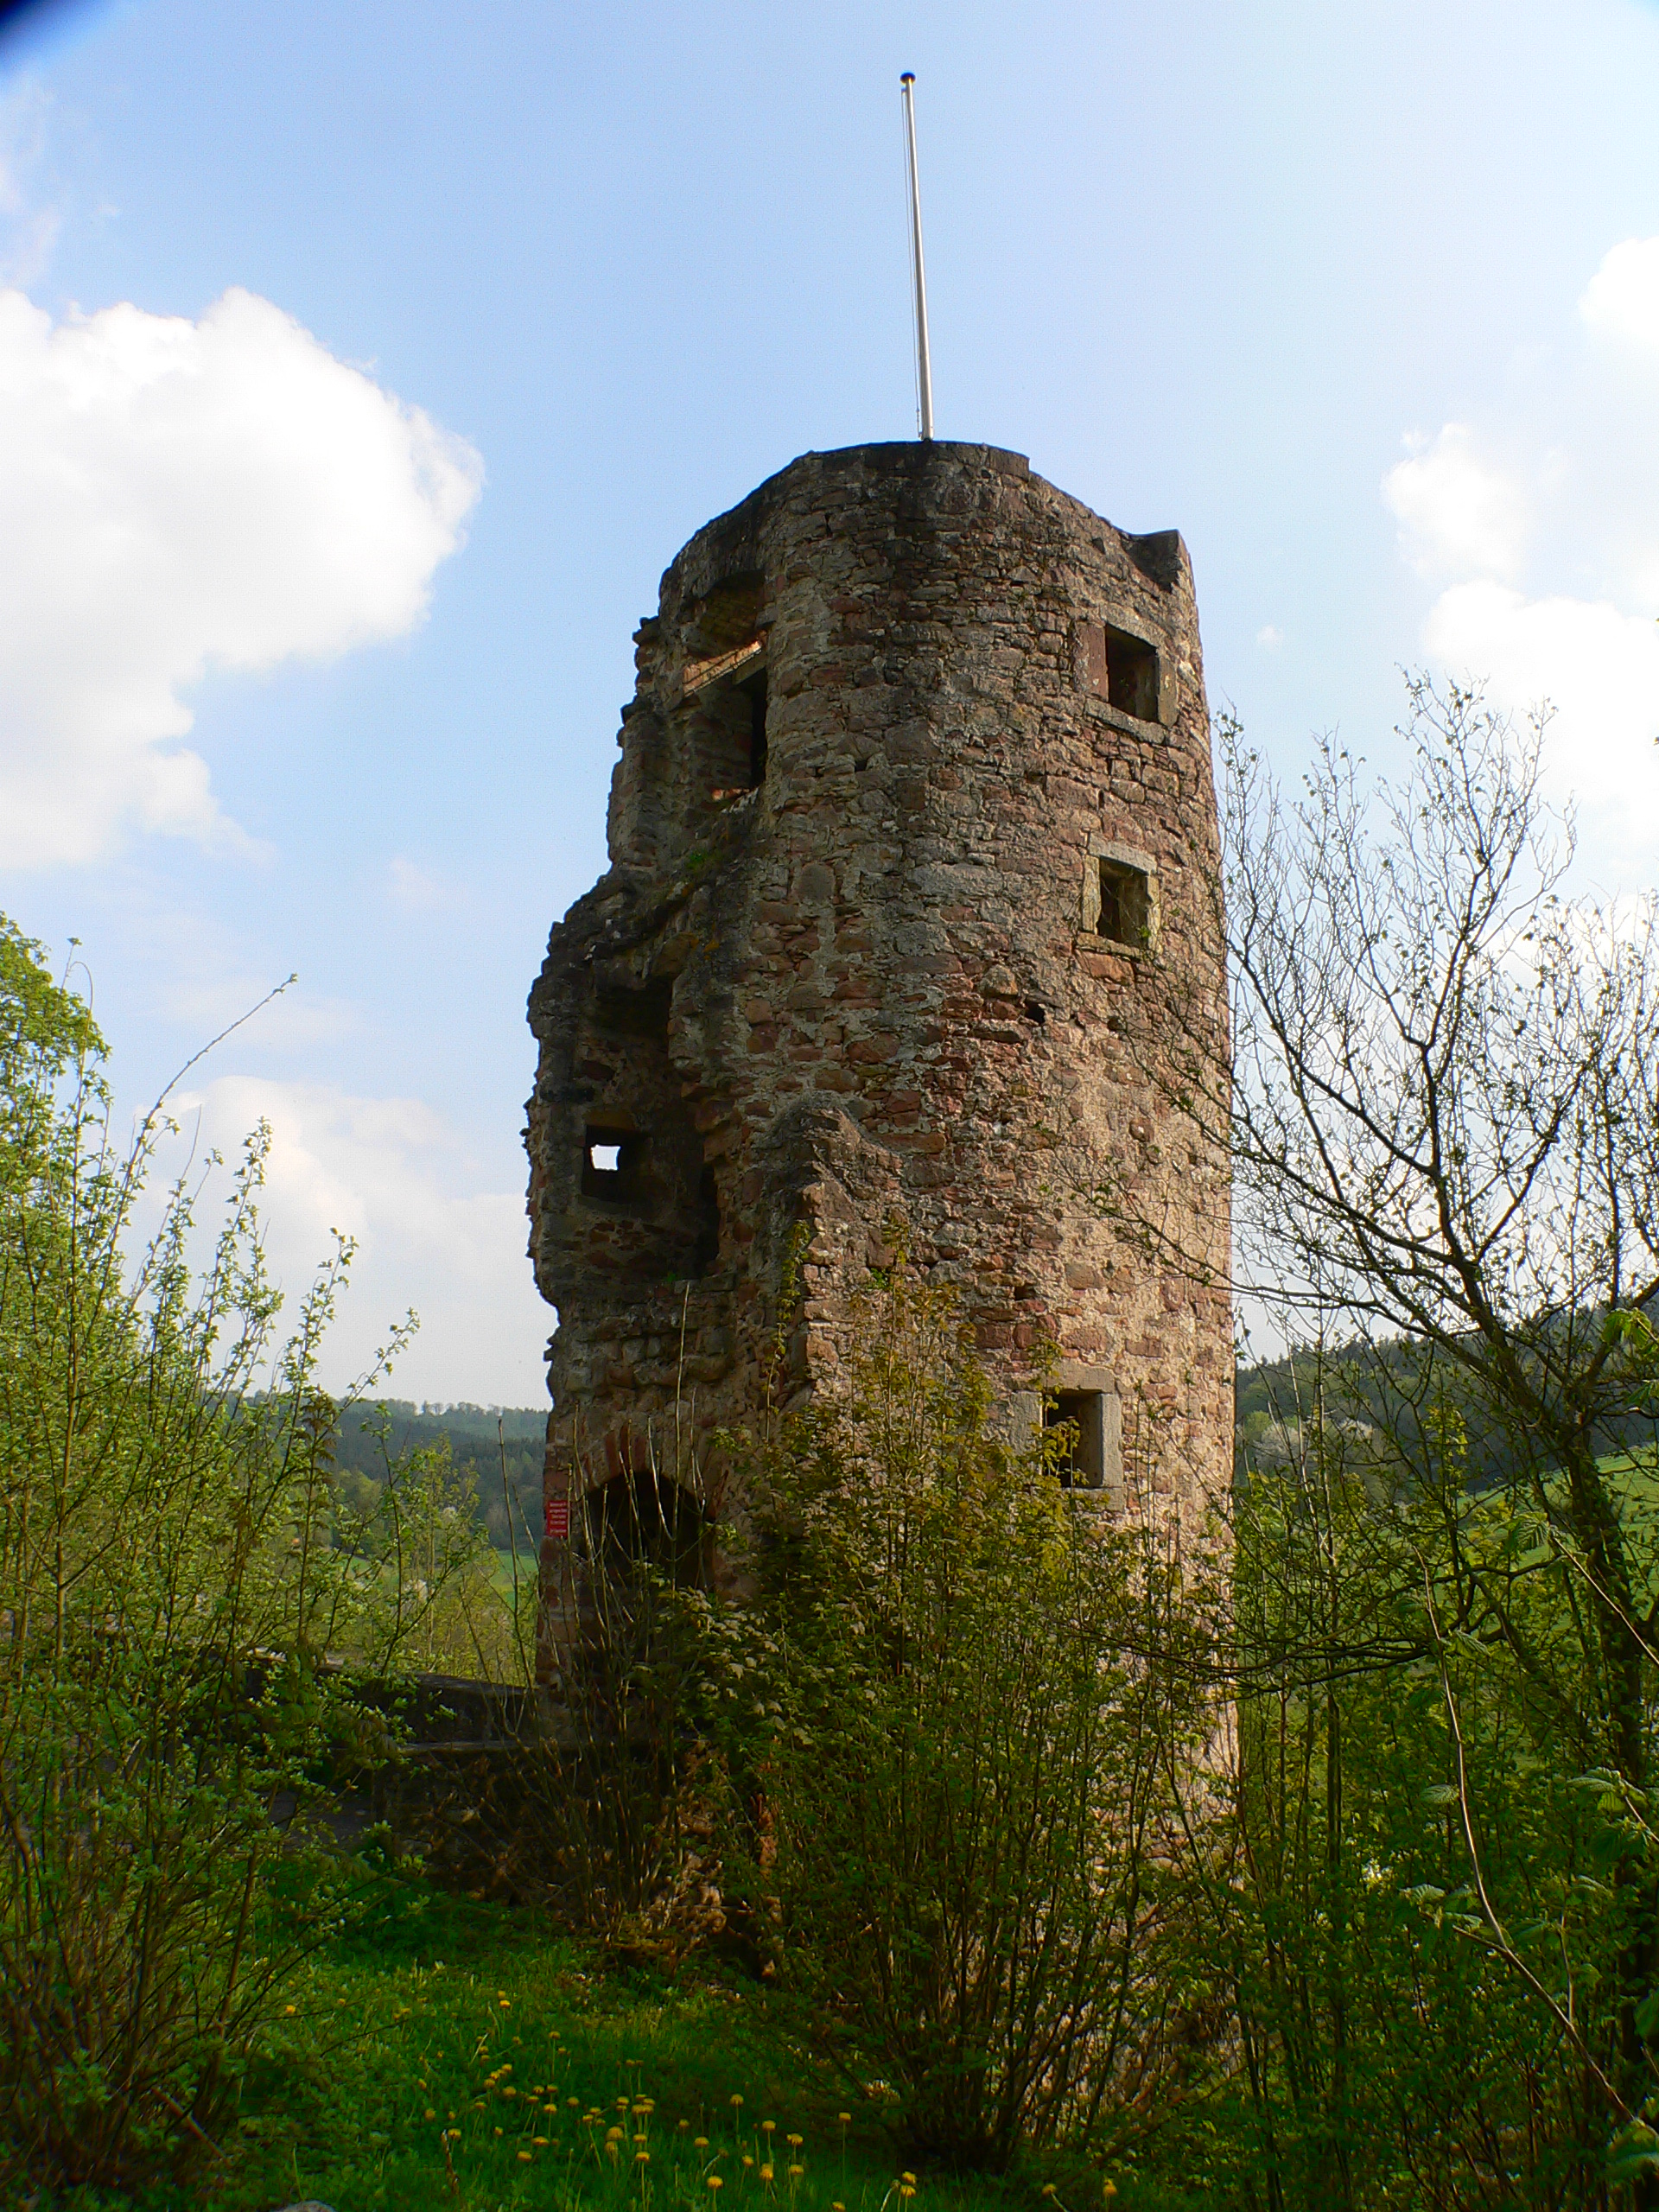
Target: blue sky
x=444 y=328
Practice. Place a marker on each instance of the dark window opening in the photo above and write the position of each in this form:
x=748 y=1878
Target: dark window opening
x=755 y=692
x=1131 y=674
x=1122 y=669
x=705 y=1256
x=612 y=1163
x=1125 y=903
x=1081 y=1415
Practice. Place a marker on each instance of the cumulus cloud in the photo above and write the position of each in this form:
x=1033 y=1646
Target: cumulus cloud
x=1596 y=666
x=1457 y=512
x=395 y=1176
x=1621 y=301
x=1539 y=522
x=179 y=496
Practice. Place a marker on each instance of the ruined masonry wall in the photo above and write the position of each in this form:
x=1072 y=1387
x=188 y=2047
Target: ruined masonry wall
x=850 y=957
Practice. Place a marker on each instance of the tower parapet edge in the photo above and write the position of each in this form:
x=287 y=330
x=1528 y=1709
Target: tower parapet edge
x=914 y=847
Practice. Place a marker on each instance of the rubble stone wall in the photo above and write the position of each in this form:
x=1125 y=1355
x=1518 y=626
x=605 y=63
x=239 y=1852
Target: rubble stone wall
x=913 y=850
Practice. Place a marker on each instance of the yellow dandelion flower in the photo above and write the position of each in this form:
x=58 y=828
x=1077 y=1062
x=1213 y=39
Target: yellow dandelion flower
x=642 y=2158
x=736 y=2100
x=714 y=2181
x=290 y=2008
x=504 y=2003
x=431 y=2111
x=794 y=2172
x=540 y=2142
x=498 y=2131
x=524 y=2157
x=911 y=2178
x=794 y=2141
x=766 y=2173
x=768 y=2126
x=846 y=2119
x=612 y=2135
x=747 y=2160
x=699 y=2142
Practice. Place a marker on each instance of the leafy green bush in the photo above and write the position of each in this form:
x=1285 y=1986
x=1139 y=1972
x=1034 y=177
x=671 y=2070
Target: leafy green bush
x=173 y=1583
x=1416 y=1892
x=975 y=1679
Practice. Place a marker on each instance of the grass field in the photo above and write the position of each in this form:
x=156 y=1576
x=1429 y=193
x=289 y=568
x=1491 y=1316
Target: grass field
x=452 y=2054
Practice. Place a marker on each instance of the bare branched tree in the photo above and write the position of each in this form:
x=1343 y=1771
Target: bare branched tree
x=1443 y=1113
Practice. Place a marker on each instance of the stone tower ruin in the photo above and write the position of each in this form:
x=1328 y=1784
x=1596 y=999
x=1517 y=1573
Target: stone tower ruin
x=912 y=849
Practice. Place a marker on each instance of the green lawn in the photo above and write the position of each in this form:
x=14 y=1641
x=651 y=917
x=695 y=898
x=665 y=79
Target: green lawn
x=452 y=2054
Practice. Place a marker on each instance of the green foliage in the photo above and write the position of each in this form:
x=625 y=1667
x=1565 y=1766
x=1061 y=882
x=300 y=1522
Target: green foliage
x=417 y=1586
x=505 y=1460
x=1418 y=1892
x=969 y=1695
x=175 y=1579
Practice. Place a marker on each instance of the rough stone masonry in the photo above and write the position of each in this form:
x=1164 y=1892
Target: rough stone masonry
x=910 y=902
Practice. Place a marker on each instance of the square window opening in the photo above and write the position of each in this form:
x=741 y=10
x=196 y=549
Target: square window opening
x=1082 y=1416
x=1125 y=904
x=611 y=1163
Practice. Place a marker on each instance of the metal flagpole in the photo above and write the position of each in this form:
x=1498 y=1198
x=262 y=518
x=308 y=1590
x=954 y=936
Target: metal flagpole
x=918 y=277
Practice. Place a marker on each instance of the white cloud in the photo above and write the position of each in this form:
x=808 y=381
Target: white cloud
x=1621 y=301
x=1540 y=523
x=1598 y=669
x=1270 y=636
x=177 y=496
x=394 y=1175
x=1456 y=513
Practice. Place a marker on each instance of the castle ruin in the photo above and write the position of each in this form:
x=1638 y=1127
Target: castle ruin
x=913 y=849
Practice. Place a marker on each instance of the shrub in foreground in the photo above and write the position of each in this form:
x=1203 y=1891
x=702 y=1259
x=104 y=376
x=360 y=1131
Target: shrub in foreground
x=978 y=1701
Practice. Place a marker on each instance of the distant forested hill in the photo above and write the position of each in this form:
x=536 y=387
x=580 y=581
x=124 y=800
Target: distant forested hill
x=1385 y=1389
x=378 y=1429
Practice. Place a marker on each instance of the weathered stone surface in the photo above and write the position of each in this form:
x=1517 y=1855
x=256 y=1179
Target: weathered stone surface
x=913 y=840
